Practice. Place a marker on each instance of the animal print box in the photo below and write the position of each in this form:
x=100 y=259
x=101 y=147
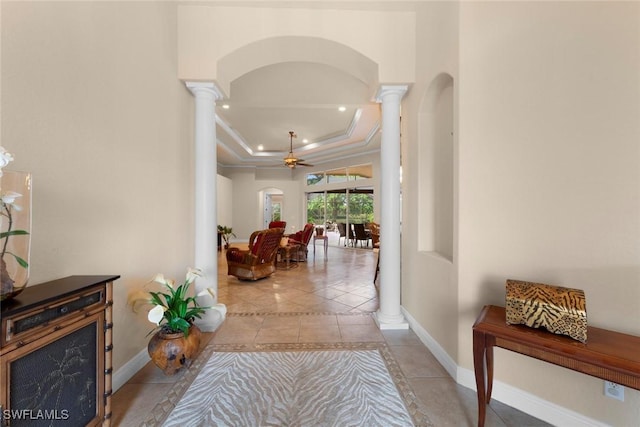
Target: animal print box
x=557 y=309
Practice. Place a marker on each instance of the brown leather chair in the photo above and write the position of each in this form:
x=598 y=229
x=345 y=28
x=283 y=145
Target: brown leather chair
x=302 y=239
x=278 y=224
x=258 y=261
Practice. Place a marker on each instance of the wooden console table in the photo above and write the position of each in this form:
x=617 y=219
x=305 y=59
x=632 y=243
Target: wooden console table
x=608 y=355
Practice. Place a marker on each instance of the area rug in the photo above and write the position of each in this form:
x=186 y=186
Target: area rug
x=296 y=387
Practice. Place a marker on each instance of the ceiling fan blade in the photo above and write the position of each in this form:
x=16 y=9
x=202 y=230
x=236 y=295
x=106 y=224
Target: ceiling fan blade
x=304 y=164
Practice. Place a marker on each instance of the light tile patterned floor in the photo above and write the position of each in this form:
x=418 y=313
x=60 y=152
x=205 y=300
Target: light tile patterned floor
x=320 y=302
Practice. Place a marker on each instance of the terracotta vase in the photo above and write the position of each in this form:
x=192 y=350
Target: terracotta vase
x=173 y=351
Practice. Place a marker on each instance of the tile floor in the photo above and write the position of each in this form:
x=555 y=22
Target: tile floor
x=320 y=302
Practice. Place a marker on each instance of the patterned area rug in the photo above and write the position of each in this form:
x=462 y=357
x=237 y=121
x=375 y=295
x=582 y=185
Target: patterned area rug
x=357 y=386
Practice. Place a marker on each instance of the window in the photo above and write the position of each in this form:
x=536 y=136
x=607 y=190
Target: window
x=315 y=178
x=337 y=175
x=315 y=208
x=357 y=173
x=351 y=173
x=349 y=206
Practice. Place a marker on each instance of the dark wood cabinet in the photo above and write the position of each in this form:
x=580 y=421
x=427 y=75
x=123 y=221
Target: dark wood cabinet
x=55 y=354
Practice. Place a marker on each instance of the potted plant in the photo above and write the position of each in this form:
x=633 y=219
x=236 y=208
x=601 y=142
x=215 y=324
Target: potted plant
x=226 y=233
x=176 y=339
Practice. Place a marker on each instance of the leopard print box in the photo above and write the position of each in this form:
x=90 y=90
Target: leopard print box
x=558 y=309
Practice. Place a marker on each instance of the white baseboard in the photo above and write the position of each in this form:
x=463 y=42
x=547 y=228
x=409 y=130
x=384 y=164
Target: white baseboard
x=434 y=347
x=129 y=369
x=529 y=403
x=502 y=392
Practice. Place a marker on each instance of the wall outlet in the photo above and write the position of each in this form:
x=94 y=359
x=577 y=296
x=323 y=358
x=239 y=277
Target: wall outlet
x=613 y=390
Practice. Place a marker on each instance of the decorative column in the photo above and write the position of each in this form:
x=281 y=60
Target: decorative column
x=389 y=315
x=206 y=221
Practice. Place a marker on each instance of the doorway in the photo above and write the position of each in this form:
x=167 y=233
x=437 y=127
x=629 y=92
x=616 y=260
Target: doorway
x=273 y=201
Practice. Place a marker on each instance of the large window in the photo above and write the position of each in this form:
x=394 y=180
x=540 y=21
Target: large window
x=341 y=195
x=315 y=208
x=349 y=206
x=360 y=206
x=348 y=174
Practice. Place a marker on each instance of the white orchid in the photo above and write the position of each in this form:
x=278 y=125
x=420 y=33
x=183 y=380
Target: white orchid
x=5 y=158
x=9 y=198
x=8 y=205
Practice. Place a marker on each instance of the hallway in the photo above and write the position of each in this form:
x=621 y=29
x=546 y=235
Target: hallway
x=326 y=303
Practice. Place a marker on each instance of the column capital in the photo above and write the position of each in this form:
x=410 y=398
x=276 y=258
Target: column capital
x=386 y=90
x=205 y=88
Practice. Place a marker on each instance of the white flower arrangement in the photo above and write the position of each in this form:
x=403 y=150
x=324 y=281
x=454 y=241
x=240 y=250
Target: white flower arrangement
x=5 y=158
x=8 y=207
x=173 y=311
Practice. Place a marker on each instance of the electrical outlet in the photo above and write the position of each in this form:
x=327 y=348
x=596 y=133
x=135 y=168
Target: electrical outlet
x=613 y=390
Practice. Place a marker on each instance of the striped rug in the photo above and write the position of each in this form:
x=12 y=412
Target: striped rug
x=335 y=387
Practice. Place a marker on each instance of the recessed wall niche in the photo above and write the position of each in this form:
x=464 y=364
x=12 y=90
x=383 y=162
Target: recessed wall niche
x=436 y=168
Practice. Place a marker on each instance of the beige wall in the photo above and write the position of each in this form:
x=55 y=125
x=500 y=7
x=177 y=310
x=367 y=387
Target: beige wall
x=209 y=33
x=429 y=287
x=92 y=107
x=546 y=97
x=549 y=101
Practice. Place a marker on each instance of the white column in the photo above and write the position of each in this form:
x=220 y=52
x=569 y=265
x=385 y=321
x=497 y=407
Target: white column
x=389 y=315
x=206 y=221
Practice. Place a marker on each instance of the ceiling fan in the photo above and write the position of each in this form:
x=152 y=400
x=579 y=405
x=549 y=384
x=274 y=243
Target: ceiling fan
x=292 y=161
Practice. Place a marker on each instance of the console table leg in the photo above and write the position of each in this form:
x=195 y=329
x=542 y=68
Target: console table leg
x=489 y=360
x=479 y=352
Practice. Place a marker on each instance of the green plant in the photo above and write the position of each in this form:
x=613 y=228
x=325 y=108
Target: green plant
x=174 y=310
x=226 y=233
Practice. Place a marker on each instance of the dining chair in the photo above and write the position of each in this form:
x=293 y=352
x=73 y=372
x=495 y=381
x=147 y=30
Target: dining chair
x=361 y=234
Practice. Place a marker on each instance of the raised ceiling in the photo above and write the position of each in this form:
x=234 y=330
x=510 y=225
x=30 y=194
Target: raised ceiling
x=266 y=103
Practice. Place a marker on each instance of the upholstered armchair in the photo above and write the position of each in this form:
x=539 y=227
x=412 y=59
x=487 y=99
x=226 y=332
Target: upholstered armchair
x=278 y=224
x=259 y=260
x=374 y=229
x=302 y=239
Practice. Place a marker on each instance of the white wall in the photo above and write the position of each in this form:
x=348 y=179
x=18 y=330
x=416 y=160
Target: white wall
x=247 y=201
x=224 y=188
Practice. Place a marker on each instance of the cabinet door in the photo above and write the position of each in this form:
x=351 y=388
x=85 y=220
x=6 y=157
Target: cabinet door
x=60 y=377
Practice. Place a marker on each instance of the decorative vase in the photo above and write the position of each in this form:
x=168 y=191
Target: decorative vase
x=15 y=232
x=319 y=231
x=173 y=351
